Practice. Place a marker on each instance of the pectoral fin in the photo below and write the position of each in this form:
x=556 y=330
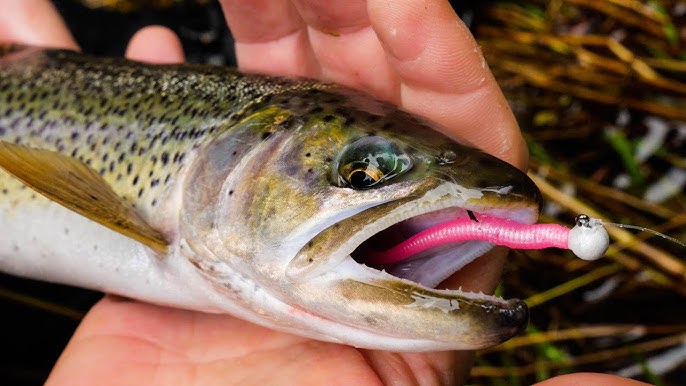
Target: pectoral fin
x=76 y=186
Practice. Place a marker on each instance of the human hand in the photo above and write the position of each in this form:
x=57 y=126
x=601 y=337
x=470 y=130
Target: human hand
x=414 y=53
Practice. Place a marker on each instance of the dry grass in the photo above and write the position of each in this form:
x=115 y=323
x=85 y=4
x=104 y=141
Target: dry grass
x=589 y=81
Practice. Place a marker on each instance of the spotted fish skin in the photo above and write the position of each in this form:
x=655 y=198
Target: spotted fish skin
x=243 y=175
x=134 y=124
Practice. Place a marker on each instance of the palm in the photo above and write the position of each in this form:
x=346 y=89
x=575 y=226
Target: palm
x=126 y=342
x=415 y=54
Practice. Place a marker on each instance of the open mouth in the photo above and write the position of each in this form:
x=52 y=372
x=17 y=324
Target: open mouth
x=425 y=242
x=395 y=248
x=387 y=261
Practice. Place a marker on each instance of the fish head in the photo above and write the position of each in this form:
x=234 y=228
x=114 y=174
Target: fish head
x=308 y=183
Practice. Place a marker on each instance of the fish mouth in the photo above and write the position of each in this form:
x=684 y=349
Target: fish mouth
x=429 y=267
x=375 y=230
x=401 y=299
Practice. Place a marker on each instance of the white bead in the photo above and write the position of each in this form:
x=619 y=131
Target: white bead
x=589 y=241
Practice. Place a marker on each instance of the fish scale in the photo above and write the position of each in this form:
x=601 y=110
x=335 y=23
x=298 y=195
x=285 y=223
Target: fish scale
x=134 y=124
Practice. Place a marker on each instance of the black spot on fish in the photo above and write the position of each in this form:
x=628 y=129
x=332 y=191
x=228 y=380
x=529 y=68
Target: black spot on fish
x=308 y=154
x=328 y=118
x=129 y=168
x=135 y=180
x=154 y=202
x=349 y=121
x=230 y=192
x=165 y=158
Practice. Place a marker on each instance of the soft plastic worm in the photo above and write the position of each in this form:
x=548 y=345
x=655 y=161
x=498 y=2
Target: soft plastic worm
x=588 y=239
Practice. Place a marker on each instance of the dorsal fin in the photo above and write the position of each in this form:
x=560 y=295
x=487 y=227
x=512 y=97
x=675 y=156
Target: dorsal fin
x=76 y=186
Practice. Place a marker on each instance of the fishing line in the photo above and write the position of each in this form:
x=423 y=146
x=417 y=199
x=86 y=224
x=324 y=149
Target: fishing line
x=644 y=229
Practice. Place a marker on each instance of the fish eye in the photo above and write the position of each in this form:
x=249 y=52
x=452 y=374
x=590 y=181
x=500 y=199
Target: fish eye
x=369 y=161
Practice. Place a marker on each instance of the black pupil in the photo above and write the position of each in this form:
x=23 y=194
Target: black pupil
x=361 y=180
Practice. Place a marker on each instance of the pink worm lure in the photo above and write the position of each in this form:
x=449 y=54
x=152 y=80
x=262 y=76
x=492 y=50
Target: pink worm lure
x=588 y=239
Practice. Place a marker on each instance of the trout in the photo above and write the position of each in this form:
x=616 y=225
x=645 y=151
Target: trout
x=204 y=188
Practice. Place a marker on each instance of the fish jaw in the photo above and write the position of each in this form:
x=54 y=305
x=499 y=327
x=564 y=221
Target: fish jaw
x=268 y=220
x=306 y=278
x=375 y=299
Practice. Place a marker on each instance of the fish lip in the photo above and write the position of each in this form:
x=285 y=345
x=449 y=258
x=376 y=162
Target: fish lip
x=412 y=208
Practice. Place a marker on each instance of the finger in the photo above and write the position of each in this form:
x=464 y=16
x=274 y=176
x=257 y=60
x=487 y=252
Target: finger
x=346 y=48
x=590 y=379
x=430 y=368
x=34 y=22
x=270 y=37
x=155 y=44
x=444 y=76
x=344 y=16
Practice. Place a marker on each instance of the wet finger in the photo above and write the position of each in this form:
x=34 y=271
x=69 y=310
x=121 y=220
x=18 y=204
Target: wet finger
x=270 y=37
x=345 y=46
x=334 y=18
x=444 y=76
x=155 y=44
x=34 y=22
x=261 y=21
